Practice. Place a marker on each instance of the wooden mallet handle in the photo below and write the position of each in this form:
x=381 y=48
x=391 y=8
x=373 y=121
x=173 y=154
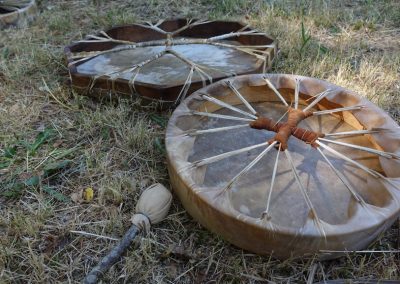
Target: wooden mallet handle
x=152 y=208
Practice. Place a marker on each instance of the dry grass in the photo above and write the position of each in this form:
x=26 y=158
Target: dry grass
x=54 y=143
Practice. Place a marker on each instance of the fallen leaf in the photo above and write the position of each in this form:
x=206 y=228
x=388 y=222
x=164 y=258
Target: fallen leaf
x=83 y=195
x=88 y=194
x=51 y=243
x=77 y=197
x=58 y=143
x=178 y=251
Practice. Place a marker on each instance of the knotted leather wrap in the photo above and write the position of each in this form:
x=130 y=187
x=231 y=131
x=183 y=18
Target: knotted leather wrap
x=285 y=129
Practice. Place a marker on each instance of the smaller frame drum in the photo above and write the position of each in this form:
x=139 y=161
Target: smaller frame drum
x=17 y=13
x=168 y=60
x=285 y=165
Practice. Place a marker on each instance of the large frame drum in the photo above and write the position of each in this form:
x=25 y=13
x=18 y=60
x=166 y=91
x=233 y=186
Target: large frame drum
x=285 y=164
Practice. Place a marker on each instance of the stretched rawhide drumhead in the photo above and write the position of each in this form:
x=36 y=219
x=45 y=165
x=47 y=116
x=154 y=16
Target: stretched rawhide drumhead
x=17 y=12
x=168 y=60
x=285 y=164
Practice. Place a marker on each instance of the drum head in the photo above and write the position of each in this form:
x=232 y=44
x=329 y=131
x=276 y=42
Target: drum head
x=168 y=60
x=331 y=185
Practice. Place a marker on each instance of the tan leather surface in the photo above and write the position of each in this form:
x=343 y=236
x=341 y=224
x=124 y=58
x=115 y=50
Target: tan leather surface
x=19 y=18
x=292 y=230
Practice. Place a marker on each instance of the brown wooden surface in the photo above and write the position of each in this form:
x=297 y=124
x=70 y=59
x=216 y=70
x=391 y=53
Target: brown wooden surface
x=136 y=33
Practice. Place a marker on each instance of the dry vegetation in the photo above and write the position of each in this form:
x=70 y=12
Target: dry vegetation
x=54 y=143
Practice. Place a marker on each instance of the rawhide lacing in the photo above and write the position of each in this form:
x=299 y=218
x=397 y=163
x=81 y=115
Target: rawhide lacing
x=286 y=129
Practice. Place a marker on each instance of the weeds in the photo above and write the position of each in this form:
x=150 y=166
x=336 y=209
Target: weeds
x=305 y=38
x=27 y=173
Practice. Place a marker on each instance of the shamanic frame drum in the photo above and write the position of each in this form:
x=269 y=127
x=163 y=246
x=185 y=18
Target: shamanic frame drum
x=17 y=12
x=285 y=164
x=167 y=60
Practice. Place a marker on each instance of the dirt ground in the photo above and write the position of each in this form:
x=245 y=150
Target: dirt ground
x=54 y=143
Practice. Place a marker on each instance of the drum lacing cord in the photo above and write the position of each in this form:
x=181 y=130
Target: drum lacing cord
x=286 y=129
